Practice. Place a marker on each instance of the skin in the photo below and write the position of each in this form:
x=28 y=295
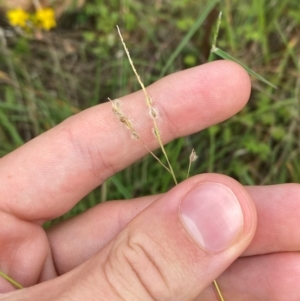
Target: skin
x=139 y=249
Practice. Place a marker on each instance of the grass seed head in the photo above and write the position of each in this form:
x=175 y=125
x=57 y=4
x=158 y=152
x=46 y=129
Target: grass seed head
x=153 y=113
x=116 y=108
x=135 y=135
x=116 y=103
x=193 y=156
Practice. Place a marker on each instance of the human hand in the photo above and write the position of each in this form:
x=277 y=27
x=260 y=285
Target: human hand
x=142 y=249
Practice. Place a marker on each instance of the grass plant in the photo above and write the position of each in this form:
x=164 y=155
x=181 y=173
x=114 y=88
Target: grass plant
x=156 y=131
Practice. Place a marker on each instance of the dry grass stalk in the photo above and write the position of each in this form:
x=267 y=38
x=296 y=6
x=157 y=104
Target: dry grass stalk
x=218 y=290
x=152 y=111
x=11 y=281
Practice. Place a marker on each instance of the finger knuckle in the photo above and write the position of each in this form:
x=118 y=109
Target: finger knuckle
x=134 y=260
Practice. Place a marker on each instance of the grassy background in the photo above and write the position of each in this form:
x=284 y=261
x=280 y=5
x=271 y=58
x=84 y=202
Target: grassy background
x=81 y=63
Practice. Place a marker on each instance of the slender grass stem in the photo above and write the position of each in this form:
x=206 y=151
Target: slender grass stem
x=218 y=290
x=189 y=169
x=153 y=155
x=11 y=281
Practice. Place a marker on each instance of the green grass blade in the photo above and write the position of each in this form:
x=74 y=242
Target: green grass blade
x=215 y=38
x=121 y=188
x=11 y=129
x=229 y=28
x=189 y=35
x=227 y=56
x=290 y=46
x=259 y=6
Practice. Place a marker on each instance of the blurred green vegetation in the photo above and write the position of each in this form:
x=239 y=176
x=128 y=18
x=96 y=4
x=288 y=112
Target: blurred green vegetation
x=81 y=63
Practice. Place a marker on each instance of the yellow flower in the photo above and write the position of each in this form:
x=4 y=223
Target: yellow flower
x=17 y=17
x=45 y=18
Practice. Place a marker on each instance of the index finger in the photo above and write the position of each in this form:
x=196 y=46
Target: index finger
x=47 y=176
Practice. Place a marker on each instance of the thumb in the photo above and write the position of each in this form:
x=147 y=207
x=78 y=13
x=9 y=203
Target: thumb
x=178 y=245
x=172 y=250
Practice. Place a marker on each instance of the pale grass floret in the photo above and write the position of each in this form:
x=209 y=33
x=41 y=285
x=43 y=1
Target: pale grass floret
x=153 y=113
x=193 y=158
x=116 y=108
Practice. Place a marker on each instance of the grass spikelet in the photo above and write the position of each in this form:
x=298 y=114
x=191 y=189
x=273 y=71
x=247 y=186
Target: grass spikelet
x=116 y=108
x=153 y=113
x=193 y=158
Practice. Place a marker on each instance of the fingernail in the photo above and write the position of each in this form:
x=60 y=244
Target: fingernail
x=212 y=215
